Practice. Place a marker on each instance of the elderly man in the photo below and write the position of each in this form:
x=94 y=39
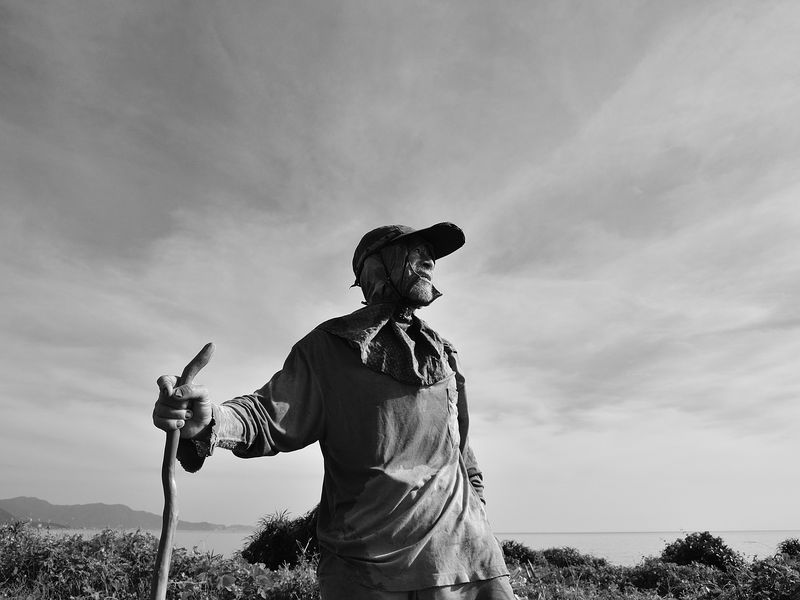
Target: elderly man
x=402 y=512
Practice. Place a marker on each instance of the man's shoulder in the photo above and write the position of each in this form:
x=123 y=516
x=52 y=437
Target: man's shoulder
x=331 y=331
x=323 y=345
x=358 y=326
x=314 y=338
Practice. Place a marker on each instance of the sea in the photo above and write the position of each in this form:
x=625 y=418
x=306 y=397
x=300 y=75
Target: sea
x=625 y=548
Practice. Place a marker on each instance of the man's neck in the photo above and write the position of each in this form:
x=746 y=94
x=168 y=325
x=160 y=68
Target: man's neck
x=404 y=313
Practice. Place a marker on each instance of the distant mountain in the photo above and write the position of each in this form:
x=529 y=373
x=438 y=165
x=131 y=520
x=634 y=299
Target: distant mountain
x=93 y=516
x=6 y=517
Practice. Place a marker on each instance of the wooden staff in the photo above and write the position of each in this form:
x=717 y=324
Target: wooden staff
x=169 y=522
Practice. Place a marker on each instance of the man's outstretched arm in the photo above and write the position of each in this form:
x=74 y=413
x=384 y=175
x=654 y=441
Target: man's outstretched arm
x=284 y=415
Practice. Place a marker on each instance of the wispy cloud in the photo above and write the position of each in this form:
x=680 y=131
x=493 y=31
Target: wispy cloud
x=626 y=178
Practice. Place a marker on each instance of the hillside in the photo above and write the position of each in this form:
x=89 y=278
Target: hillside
x=94 y=516
x=6 y=517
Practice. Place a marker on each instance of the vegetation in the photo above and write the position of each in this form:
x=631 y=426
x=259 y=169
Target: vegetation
x=37 y=565
x=697 y=567
x=280 y=540
x=702 y=548
x=790 y=547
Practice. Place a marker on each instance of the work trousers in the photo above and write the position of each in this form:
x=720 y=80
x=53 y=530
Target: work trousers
x=341 y=588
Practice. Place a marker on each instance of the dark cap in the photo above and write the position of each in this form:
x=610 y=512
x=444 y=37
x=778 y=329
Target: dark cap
x=445 y=238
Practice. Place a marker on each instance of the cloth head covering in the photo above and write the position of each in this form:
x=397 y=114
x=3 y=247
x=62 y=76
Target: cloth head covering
x=386 y=277
x=445 y=238
x=388 y=336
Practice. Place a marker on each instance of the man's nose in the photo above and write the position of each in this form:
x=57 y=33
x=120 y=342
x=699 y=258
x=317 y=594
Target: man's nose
x=426 y=260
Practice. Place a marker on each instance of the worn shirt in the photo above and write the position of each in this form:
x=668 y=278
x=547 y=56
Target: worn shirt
x=398 y=510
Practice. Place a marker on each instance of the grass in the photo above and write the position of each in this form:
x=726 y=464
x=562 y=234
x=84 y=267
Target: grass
x=36 y=565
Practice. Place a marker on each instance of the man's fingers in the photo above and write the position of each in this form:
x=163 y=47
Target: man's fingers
x=165 y=412
x=165 y=384
x=168 y=424
x=183 y=396
x=166 y=381
x=174 y=405
x=189 y=392
x=168 y=418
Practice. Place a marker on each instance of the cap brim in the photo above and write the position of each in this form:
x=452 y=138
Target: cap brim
x=445 y=238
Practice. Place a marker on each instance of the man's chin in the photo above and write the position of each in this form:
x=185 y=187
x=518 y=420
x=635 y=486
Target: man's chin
x=422 y=293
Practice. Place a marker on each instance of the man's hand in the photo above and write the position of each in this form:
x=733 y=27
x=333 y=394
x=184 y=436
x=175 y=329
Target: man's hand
x=187 y=407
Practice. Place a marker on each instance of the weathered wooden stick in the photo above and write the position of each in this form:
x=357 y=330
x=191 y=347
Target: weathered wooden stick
x=169 y=522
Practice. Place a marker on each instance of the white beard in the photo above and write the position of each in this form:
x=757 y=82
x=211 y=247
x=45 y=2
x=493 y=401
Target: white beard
x=420 y=293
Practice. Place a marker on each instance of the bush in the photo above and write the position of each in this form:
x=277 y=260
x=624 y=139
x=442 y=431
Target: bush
x=559 y=569
x=702 y=548
x=570 y=557
x=515 y=552
x=790 y=547
x=37 y=565
x=280 y=540
x=674 y=580
x=772 y=579
x=111 y=564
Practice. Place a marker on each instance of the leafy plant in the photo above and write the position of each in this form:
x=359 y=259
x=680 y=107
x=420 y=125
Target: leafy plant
x=570 y=557
x=281 y=540
x=702 y=548
x=790 y=547
x=516 y=552
x=772 y=579
x=674 y=580
x=37 y=565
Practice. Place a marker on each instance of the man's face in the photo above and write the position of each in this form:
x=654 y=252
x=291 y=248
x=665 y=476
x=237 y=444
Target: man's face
x=418 y=279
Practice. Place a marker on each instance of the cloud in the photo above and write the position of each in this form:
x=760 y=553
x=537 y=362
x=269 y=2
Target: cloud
x=173 y=174
x=668 y=147
x=689 y=320
x=605 y=271
x=624 y=478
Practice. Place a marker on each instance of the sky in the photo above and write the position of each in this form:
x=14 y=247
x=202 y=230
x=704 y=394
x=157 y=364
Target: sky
x=627 y=175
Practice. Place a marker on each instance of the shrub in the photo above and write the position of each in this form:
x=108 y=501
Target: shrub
x=38 y=565
x=678 y=581
x=280 y=540
x=111 y=564
x=515 y=552
x=21 y=553
x=772 y=579
x=558 y=568
x=570 y=557
x=790 y=547
x=298 y=583
x=702 y=548
x=116 y=564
